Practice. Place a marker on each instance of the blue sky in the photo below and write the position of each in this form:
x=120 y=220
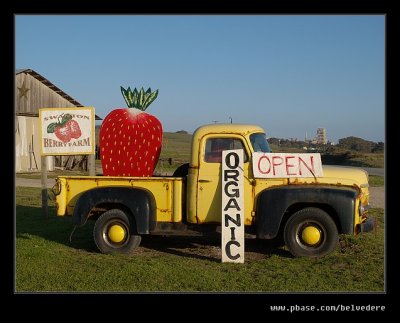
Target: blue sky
x=288 y=74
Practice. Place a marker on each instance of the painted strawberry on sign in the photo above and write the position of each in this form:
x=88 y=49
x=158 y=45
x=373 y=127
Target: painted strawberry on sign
x=65 y=129
x=131 y=139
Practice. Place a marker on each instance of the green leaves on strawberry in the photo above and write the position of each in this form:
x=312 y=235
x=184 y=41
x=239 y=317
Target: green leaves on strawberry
x=65 y=128
x=139 y=99
x=131 y=139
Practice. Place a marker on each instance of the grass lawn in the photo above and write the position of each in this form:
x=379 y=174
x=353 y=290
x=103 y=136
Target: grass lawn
x=376 y=180
x=47 y=261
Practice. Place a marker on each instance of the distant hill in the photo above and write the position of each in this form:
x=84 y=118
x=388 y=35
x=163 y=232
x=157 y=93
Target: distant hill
x=361 y=145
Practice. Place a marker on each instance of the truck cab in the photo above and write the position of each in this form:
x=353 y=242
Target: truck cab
x=204 y=178
x=308 y=212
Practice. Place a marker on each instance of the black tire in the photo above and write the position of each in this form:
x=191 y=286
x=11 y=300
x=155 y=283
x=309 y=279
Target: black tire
x=295 y=235
x=105 y=222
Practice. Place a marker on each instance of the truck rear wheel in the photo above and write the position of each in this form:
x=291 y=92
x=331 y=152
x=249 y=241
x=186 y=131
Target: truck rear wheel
x=310 y=232
x=115 y=232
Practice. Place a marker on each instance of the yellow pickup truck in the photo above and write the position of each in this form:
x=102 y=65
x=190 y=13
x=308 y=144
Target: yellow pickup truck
x=308 y=212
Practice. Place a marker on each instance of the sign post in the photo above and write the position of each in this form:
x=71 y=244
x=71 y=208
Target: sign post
x=92 y=165
x=45 y=211
x=232 y=222
x=65 y=131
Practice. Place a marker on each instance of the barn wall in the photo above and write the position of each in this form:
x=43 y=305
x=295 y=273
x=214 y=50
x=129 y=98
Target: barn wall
x=27 y=145
x=38 y=96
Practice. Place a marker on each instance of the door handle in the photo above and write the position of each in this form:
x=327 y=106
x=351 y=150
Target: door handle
x=204 y=181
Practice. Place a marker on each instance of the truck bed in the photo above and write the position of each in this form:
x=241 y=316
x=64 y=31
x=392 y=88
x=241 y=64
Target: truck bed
x=168 y=192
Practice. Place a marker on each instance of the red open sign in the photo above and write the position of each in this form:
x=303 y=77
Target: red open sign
x=284 y=165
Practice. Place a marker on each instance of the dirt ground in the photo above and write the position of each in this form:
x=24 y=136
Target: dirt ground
x=377 y=196
x=205 y=247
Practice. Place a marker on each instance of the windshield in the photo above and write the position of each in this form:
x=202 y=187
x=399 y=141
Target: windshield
x=259 y=142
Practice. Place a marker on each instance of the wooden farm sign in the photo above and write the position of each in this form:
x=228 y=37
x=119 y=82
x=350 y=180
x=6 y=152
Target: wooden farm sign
x=232 y=222
x=284 y=165
x=67 y=131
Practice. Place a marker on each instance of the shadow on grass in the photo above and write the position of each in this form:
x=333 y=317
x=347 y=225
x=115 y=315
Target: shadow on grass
x=208 y=247
x=30 y=222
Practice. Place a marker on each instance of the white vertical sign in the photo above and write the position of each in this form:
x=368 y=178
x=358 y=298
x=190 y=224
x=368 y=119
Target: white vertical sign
x=232 y=223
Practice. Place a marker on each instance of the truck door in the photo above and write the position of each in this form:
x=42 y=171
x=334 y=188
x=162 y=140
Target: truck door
x=208 y=209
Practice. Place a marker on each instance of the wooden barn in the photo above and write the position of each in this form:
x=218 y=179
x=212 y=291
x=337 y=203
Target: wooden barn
x=32 y=92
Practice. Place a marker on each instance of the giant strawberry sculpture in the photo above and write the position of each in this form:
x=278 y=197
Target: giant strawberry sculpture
x=130 y=139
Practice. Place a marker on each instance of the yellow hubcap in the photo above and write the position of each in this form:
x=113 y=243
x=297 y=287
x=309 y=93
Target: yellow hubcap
x=116 y=233
x=311 y=235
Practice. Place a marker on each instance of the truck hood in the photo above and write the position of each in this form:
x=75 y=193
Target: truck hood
x=344 y=175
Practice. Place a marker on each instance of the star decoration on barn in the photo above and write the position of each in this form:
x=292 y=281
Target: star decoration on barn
x=23 y=90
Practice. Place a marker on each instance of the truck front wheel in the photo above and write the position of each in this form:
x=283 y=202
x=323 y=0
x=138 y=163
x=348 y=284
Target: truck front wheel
x=310 y=232
x=114 y=232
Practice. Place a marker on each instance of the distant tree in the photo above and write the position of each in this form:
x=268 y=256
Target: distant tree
x=330 y=149
x=378 y=147
x=274 y=141
x=357 y=144
x=350 y=145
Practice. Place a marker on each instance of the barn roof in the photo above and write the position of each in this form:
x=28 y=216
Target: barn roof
x=51 y=86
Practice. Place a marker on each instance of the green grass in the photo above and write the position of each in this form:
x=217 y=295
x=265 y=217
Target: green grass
x=376 y=180
x=280 y=149
x=47 y=261
x=176 y=146
x=356 y=159
x=368 y=160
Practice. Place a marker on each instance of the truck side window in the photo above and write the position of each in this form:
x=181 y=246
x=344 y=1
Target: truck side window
x=215 y=146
